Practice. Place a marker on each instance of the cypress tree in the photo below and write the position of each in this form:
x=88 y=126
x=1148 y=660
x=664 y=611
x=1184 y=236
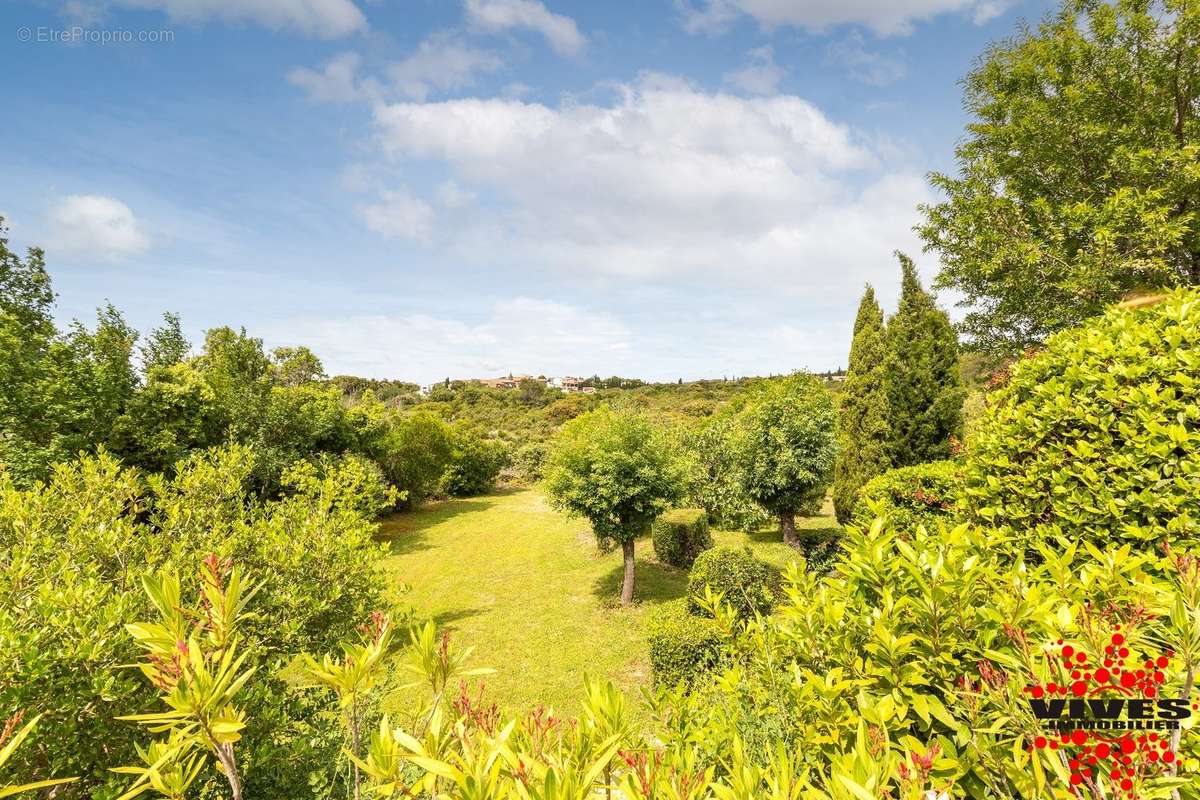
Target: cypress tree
x=863 y=432
x=923 y=384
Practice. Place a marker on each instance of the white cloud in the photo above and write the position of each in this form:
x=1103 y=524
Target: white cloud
x=867 y=66
x=92 y=225
x=326 y=19
x=884 y=17
x=441 y=62
x=760 y=76
x=517 y=335
x=399 y=215
x=335 y=82
x=451 y=195
x=665 y=181
x=502 y=15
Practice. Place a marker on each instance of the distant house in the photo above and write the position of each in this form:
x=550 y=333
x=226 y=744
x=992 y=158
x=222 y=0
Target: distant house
x=568 y=384
x=511 y=382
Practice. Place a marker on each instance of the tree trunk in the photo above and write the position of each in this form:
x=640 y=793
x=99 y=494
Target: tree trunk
x=787 y=524
x=627 y=586
x=229 y=767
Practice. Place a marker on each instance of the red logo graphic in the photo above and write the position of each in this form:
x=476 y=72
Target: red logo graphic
x=1109 y=718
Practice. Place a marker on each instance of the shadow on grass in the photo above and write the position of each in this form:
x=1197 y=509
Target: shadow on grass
x=446 y=619
x=653 y=583
x=405 y=531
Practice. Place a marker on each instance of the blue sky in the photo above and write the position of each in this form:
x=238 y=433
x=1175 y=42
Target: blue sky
x=429 y=188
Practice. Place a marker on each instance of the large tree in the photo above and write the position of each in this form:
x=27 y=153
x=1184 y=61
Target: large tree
x=26 y=334
x=863 y=430
x=1079 y=177
x=923 y=385
x=615 y=469
x=787 y=447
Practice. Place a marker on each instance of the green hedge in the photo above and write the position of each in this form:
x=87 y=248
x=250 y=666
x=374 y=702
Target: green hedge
x=910 y=496
x=1097 y=436
x=682 y=646
x=748 y=584
x=680 y=535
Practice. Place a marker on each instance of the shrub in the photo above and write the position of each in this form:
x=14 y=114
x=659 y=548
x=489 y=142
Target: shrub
x=1095 y=436
x=351 y=482
x=681 y=535
x=910 y=496
x=528 y=461
x=747 y=583
x=682 y=646
x=475 y=463
x=413 y=451
x=71 y=555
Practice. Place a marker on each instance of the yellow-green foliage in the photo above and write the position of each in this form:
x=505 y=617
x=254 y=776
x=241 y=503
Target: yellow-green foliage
x=911 y=496
x=680 y=535
x=683 y=645
x=902 y=674
x=746 y=584
x=1098 y=434
x=72 y=556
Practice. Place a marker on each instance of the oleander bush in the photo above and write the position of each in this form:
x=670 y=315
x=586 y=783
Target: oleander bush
x=923 y=494
x=746 y=584
x=683 y=646
x=680 y=535
x=1097 y=435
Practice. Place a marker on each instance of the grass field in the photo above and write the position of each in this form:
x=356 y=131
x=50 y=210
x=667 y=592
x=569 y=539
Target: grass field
x=529 y=589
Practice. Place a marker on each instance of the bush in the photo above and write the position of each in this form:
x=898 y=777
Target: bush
x=910 y=496
x=682 y=646
x=681 y=535
x=747 y=583
x=1095 y=436
x=475 y=464
x=528 y=460
x=414 y=451
x=71 y=555
x=351 y=482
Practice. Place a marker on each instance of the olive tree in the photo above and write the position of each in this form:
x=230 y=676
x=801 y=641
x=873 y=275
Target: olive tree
x=787 y=447
x=615 y=469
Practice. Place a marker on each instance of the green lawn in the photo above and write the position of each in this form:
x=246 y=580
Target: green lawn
x=529 y=589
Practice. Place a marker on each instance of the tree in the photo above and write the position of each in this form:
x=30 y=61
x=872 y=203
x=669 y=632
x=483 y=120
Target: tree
x=924 y=387
x=1078 y=178
x=863 y=430
x=296 y=366
x=238 y=372
x=166 y=345
x=171 y=415
x=617 y=471
x=26 y=333
x=787 y=446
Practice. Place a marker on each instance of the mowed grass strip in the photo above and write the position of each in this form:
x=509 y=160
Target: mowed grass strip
x=531 y=592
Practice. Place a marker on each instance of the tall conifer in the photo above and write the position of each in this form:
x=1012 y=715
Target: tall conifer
x=863 y=432
x=923 y=384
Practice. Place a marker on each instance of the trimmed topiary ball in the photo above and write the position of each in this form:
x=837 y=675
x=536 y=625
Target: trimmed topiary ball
x=682 y=646
x=1097 y=436
x=747 y=583
x=680 y=535
x=910 y=496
